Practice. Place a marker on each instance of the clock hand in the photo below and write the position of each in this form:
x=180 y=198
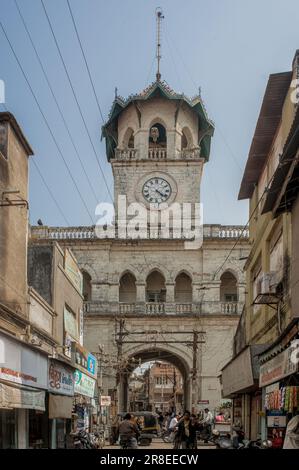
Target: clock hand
x=160 y=192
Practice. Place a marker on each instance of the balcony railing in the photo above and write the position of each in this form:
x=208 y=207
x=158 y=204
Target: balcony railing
x=225 y=232
x=157 y=153
x=183 y=308
x=126 y=308
x=229 y=308
x=155 y=308
x=208 y=307
x=126 y=154
x=189 y=154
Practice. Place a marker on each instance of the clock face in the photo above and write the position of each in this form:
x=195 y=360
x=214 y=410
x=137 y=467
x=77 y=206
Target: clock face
x=156 y=190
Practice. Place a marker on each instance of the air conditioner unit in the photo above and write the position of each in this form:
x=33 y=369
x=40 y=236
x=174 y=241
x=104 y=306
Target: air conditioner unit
x=267 y=283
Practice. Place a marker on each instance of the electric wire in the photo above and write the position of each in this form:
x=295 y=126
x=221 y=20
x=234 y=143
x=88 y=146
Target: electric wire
x=45 y=120
x=56 y=101
x=75 y=97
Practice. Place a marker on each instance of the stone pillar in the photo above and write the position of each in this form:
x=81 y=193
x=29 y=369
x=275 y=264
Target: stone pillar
x=170 y=306
x=22 y=428
x=140 y=292
x=140 y=297
x=53 y=434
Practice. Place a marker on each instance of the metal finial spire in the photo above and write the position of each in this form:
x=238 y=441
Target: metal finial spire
x=159 y=17
x=115 y=92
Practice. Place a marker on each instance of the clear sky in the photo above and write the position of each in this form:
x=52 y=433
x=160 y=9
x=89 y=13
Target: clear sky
x=226 y=47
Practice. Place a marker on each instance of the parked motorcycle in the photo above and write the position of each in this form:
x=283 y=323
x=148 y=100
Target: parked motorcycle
x=84 y=440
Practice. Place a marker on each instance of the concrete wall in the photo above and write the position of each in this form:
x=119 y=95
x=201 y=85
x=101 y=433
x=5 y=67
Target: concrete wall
x=295 y=260
x=14 y=223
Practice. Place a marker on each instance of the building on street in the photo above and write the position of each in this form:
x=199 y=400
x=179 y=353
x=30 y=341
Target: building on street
x=263 y=376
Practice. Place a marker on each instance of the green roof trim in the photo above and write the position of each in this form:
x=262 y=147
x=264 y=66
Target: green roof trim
x=158 y=88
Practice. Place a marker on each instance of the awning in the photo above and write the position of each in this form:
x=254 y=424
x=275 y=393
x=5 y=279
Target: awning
x=241 y=374
x=20 y=397
x=60 y=406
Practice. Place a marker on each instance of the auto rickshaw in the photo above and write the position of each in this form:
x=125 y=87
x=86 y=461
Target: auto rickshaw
x=147 y=423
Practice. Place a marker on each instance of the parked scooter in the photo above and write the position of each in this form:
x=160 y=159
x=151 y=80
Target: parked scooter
x=84 y=440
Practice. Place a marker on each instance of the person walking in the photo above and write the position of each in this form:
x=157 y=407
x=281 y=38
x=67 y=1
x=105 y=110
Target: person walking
x=129 y=432
x=186 y=433
x=207 y=422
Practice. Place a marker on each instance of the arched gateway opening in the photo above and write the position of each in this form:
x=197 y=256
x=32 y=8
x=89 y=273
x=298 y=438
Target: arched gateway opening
x=177 y=365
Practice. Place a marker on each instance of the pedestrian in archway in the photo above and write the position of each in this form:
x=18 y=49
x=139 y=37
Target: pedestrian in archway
x=186 y=434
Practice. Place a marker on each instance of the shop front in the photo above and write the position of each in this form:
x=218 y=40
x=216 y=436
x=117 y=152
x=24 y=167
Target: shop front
x=23 y=385
x=240 y=384
x=279 y=381
x=85 y=409
x=60 y=403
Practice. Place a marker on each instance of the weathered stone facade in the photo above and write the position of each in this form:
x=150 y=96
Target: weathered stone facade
x=146 y=298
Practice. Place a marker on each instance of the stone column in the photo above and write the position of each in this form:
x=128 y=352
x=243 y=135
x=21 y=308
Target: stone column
x=140 y=297
x=170 y=306
x=22 y=428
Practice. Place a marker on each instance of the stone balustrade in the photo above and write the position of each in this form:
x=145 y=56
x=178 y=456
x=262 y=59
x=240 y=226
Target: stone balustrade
x=229 y=308
x=183 y=308
x=155 y=308
x=163 y=308
x=189 y=154
x=126 y=154
x=65 y=233
x=157 y=153
x=127 y=308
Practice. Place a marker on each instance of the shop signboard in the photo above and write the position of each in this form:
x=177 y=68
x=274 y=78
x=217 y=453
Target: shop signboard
x=21 y=364
x=277 y=368
x=84 y=360
x=105 y=400
x=60 y=379
x=238 y=374
x=72 y=269
x=84 y=385
x=70 y=324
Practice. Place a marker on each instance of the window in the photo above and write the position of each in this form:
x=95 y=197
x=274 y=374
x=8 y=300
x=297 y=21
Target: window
x=127 y=289
x=228 y=287
x=155 y=287
x=183 y=289
x=86 y=286
x=157 y=136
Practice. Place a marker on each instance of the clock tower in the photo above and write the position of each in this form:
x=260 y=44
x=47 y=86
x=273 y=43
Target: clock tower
x=157 y=142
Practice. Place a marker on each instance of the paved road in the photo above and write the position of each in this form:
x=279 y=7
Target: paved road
x=159 y=444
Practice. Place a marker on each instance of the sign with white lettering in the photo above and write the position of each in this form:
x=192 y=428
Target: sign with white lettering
x=84 y=385
x=277 y=368
x=21 y=364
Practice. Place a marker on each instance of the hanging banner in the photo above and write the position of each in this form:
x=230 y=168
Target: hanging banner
x=12 y=397
x=84 y=385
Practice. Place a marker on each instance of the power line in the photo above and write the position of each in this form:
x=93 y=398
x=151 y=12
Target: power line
x=50 y=192
x=46 y=184
x=46 y=121
x=244 y=228
x=75 y=97
x=55 y=99
x=92 y=85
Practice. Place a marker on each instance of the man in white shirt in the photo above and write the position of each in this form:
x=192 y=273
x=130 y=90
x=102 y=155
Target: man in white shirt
x=208 y=421
x=173 y=423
